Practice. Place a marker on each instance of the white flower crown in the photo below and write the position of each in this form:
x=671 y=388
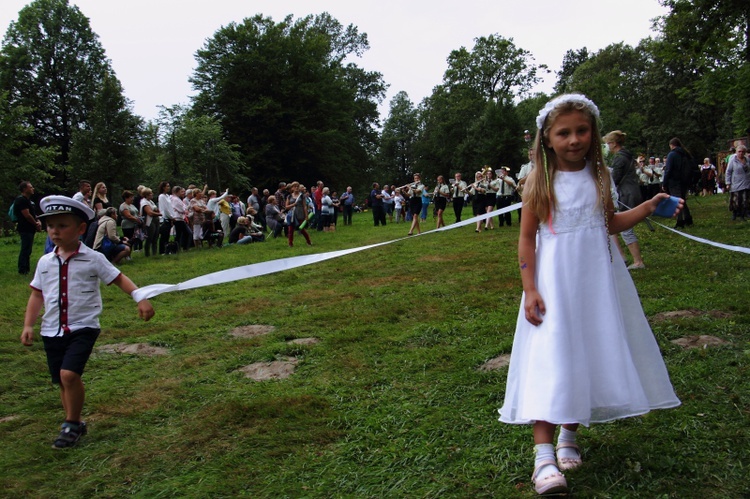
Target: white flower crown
x=564 y=99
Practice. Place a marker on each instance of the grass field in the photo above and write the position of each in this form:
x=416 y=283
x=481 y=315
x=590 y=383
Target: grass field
x=391 y=402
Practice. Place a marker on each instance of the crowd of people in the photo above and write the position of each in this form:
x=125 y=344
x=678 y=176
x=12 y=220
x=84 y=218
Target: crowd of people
x=174 y=218
x=410 y=203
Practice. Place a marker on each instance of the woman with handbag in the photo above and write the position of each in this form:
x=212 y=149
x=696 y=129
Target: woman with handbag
x=131 y=222
x=296 y=204
x=151 y=215
x=107 y=242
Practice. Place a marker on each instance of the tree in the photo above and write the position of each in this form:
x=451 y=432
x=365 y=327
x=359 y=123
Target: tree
x=469 y=120
x=446 y=120
x=52 y=64
x=528 y=109
x=192 y=149
x=283 y=94
x=709 y=40
x=614 y=79
x=397 y=155
x=571 y=60
x=105 y=147
x=495 y=68
x=21 y=160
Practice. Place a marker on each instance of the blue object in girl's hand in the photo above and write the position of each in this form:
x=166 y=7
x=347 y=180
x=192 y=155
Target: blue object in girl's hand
x=667 y=207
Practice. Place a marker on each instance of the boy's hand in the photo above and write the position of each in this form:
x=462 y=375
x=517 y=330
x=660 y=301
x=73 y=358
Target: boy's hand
x=27 y=337
x=145 y=310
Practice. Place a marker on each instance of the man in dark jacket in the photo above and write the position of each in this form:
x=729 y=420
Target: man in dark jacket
x=28 y=225
x=677 y=177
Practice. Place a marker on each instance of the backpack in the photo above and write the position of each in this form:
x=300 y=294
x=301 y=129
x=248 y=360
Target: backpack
x=12 y=212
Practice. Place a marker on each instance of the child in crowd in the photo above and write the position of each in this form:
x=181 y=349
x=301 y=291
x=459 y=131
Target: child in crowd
x=66 y=285
x=211 y=232
x=583 y=350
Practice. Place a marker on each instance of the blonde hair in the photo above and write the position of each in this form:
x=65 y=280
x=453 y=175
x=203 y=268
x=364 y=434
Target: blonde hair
x=616 y=136
x=539 y=193
x=96 y=194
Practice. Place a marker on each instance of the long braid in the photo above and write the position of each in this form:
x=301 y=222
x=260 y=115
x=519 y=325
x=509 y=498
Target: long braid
x=549 y=191
x=603 y=198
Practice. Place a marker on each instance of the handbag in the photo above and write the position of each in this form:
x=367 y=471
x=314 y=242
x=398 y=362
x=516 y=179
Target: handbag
x=106 y=246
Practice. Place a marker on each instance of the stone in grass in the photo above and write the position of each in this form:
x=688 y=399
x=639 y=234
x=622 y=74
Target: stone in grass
x=699 y=341
x=688 y=313
x=7 y=419
x=277 y=369
x=304 y=341
x=497 y=363
x=251 y=331
x=133 y=348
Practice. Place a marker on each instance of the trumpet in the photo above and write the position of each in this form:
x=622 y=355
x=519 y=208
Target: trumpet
x=410 y=186
x=475 y=186
x=413 y=188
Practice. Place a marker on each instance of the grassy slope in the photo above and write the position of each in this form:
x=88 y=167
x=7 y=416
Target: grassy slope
x=390 y=403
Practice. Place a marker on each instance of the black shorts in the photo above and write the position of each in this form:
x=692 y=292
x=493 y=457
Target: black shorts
x=70 y=351
x=440 y=202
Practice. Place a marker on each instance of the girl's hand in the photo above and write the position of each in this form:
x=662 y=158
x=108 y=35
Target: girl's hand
x=534 y=307
x=654 y=202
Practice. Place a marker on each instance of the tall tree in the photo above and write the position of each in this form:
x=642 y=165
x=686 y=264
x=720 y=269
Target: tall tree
x=711 y=40
x=446 y=120
x=192 y=149
x=283 y=93
x=614 y=79
x=495 y=68
x=469 y=120
x=52 y=64
x=571 y=60
x=20 y=159
x=397 y=155
x=105 y=147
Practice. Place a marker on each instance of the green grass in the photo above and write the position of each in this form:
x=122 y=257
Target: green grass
x=391 y=402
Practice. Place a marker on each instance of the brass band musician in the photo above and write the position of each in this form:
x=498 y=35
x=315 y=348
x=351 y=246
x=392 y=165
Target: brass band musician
x=440 y=196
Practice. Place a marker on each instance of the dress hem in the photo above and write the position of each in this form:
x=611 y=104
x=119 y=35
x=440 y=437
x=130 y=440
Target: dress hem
x=670 y=405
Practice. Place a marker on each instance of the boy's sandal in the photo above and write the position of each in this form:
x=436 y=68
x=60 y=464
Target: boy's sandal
x=69 y=435
x=550 y=484
x=568 y=463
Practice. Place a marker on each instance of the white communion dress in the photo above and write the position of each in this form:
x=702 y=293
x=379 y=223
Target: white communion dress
x=594 y=358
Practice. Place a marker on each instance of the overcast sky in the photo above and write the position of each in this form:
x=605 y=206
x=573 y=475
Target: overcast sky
x=152 y=43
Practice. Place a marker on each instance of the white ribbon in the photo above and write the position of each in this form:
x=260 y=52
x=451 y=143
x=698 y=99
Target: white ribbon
x=273 y=266
x=707 y=241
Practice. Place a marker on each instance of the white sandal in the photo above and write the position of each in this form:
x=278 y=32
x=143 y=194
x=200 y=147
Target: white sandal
x=568 y=463
x=550 y=484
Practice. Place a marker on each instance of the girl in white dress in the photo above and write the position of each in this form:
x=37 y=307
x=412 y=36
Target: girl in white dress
x=583 y=350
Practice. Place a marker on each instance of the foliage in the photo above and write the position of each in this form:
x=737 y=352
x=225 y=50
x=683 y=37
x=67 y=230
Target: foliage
x=469 y=120
x=711 y=40
x=283 y=94
x=446 y=118
x=495 y=68
x=52 y=64
x=571 y=60
x=21 y=159
x=192 y=148
x=392 y=401
x=397 y=154
x=106 y=147
x=613 y=78
x=528 y=110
